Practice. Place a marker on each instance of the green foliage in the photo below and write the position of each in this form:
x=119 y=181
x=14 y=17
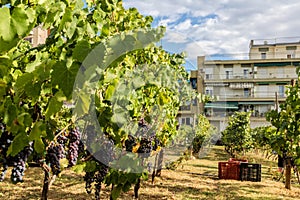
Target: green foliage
x=286 y=138
x=35 y=82
x=263 y=136
x=203 y=131
x=237 y=135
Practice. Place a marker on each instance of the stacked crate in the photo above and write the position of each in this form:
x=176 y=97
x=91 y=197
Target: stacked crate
x=229 y=170
x=237 y=169
x=250 y=172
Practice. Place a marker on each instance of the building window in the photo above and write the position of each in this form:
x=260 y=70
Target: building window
x=263 y=55
x=194 y=83
x=246 y=73
x=182 y=120
x=209 y=92
x=291 y=48
x=228 y=74
x=246 y=92
x=290 y=55
x=281 y=90
x=188 y=121
x=208 y=76
x=263 y=49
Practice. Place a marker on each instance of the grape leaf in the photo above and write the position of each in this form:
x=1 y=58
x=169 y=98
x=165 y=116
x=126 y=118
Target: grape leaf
x=81 y=50
x=55 y=104
x=64 y=77
x=38 y=131
x=19 y=143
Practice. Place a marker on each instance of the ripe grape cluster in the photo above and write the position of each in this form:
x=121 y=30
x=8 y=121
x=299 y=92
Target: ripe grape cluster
x=145 y=139
x=67 y=145
x=19 y=164
x=130 y=143
x=53 y=156
x=18 y=161
x=73 y=149
x=5 y=141
x=95 y=178
x=145 y=145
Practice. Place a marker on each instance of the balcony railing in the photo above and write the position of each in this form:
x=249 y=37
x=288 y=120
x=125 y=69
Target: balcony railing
x=260 y=94
x=228 y=114
x=240 y=76
x=252 y=56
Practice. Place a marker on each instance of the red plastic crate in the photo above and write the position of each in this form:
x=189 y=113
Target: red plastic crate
x=237 y=160
x=229 y=170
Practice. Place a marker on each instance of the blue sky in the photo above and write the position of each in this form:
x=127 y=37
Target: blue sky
x=210 y=27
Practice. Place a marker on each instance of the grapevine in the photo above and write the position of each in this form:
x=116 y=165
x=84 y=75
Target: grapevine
x=36 y=82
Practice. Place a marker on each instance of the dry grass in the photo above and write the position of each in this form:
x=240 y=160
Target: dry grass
x=195 y=179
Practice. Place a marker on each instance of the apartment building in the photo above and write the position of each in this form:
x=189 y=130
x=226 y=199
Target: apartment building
x=255 y=82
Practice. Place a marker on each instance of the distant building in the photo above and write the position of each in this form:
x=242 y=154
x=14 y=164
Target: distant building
x=37 y=36
x=255 y=82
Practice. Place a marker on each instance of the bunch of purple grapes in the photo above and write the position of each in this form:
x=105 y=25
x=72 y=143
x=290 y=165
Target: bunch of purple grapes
x=74 y=144
x=95 y=178
x=54 y=153
x=145 y=147
x=5 y=141
x=19 y=163
x=130 y=143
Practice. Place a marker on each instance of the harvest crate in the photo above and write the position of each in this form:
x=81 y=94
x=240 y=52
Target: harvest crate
x=237 y=160
x=250 y=172
x=229 y=170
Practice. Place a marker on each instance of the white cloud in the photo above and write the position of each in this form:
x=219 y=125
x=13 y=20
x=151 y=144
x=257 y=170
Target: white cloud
x=183 y=26
x=224 y=26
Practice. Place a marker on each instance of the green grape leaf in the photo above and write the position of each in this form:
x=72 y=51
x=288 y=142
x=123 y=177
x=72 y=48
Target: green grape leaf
x=10 y=114
x=115 y=193
x=22 y=81
x=64 y=77
x=83 y=104
x=38 y=131
x=126 y=187
x=55 y=104
x=67 y=18
x=7 y=31
x=33 y=90
x=105 y=30
x=3 y=86
x=30 y=67
x=22 y=19
x=19 y=143
x=81 y=50
x=79 y=168
x=39 y=145
x=24 y=119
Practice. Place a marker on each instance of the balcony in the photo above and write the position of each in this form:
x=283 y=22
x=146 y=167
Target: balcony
x=216 y=116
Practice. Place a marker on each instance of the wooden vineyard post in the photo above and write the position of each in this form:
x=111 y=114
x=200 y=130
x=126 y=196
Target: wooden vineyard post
x=288 y=174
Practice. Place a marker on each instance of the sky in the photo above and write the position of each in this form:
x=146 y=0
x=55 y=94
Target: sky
x=216 y=28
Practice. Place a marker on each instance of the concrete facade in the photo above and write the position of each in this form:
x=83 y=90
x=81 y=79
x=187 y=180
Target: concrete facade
x=37 y=36
x=256 y=83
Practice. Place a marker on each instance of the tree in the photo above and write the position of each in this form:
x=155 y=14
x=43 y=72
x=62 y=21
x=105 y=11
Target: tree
x=286 y=138
x=237 y=135
x=203 y=131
